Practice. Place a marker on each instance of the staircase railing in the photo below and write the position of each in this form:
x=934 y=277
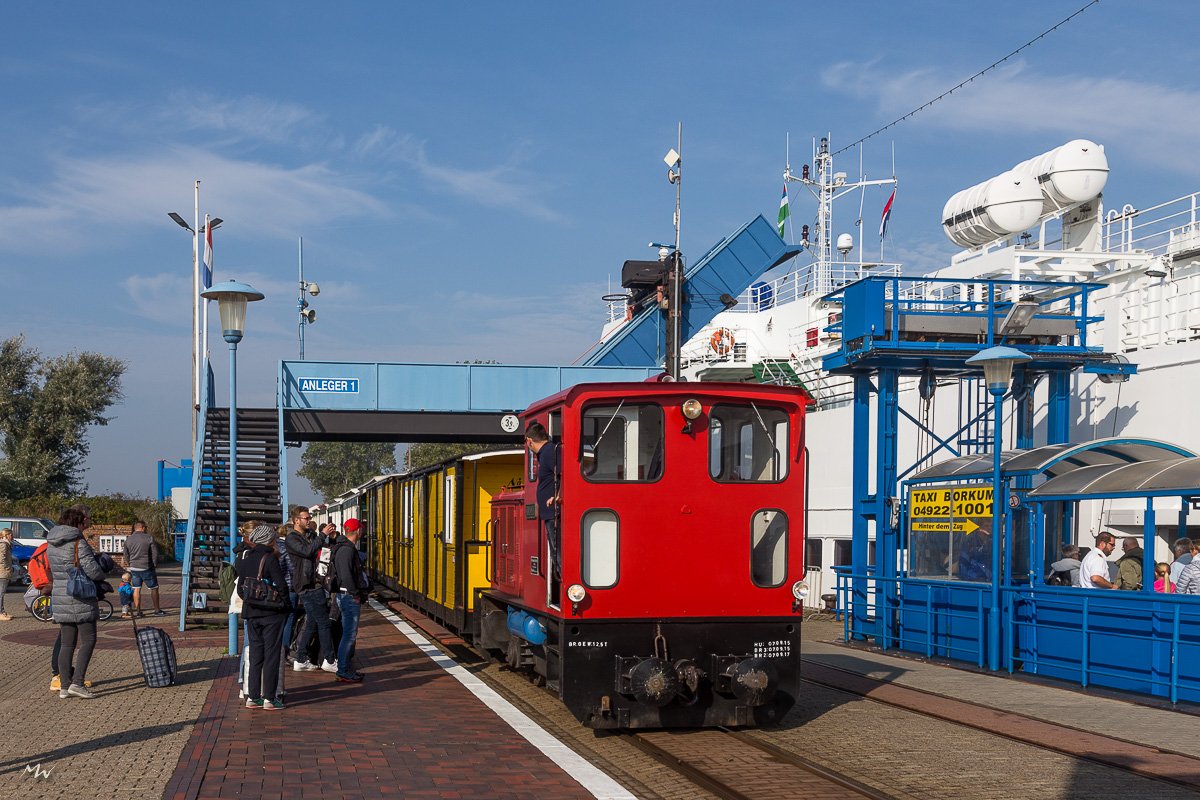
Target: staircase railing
x=198 y=465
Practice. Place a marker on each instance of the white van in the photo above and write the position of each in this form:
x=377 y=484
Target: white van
x=29 y=531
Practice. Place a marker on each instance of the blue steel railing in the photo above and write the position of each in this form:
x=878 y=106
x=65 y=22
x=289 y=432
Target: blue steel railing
x=937 y=616
x=1110 y=625
x=872 y=327
x=198 y=467
x=1162 y=614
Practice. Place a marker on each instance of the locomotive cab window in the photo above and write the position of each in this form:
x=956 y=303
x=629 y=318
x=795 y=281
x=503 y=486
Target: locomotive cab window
x=768 y=547
x=748 y=444
x=622 y=443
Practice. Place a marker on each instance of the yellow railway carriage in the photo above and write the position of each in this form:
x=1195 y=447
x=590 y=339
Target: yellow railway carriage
x=430 y=531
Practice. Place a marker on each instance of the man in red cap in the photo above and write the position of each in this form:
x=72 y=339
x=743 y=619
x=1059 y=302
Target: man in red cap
x=350 y=591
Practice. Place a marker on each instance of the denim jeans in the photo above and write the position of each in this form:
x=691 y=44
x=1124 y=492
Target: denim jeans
x=289 y=622
x=316 y=615
x=350 y=608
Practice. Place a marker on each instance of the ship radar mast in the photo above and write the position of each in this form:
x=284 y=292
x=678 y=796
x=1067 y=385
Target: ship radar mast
x=826 y=186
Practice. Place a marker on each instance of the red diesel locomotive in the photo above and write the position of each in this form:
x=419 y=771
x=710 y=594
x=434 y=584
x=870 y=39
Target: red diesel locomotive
x=681 y=513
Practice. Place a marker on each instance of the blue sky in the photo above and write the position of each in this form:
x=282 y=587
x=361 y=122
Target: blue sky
x=467 y=178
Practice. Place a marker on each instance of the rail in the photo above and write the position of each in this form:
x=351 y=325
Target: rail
x=1116 y=639
x=1168 y=228
x=198 y=467
x=874 y=309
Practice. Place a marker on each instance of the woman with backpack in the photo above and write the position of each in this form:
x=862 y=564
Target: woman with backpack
x=263 y=588
x=75 y=570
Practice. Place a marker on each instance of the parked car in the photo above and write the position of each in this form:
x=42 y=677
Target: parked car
x=21 y=554
x=29 y=531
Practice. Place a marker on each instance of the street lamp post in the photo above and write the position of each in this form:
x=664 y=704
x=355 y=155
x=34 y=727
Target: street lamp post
x=231 y=297
x=997 y=363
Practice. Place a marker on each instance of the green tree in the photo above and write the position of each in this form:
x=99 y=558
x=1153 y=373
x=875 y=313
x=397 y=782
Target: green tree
x=426 y=453
x=46 y=407
x=333 y=467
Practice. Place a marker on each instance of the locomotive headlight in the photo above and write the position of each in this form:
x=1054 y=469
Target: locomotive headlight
x=692 y=408
x=800 y=590
x=576 y=593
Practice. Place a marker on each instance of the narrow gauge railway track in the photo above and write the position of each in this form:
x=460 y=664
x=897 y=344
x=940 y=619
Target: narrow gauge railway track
x=1140 y=759
x=733 y=766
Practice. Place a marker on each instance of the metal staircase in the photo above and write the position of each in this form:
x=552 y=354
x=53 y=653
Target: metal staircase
x=778 y=371
x=258 y=490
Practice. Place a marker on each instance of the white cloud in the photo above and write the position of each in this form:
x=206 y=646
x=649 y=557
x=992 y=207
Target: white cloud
x=251 y=117
x=140 y=189
x=1015 y=99
x=507 y=186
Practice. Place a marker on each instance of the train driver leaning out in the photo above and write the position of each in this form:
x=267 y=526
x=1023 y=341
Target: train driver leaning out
x=1093 y=571
x=549 y=495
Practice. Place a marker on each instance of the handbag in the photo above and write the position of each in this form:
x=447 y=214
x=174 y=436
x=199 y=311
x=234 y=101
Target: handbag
x=79 y=585
x=258 y=592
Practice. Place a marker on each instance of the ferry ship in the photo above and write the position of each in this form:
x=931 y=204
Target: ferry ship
x=1046 y=219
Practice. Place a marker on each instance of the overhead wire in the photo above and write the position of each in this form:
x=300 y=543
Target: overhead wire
x=981 y=72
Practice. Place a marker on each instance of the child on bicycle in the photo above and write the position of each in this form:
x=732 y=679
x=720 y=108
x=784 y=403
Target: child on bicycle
x=125 y=591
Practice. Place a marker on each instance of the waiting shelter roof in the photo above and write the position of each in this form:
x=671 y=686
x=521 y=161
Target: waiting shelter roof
x=1056 y=460
x=1165 y=476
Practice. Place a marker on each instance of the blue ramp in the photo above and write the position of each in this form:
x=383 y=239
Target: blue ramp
x=728 y=268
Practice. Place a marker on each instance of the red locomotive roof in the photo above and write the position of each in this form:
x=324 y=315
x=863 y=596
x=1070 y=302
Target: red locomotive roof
x=793 y=395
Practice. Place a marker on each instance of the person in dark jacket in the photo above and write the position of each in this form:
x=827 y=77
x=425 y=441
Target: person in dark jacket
x=303 y=546
x=76 y=617
x=1129 y=566
x=265 y=626
x=351 y=585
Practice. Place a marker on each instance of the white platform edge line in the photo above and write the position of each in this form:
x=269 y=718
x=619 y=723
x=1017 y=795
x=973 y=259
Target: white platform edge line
x=600 y=786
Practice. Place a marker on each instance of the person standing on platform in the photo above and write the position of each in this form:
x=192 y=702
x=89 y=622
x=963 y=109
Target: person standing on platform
x=303 y=547
x=265 y=624
x=1161 y=571
x=1189 y=578
x=6 y=572
x=76 y=616
x=285 y=561
x=537 y=439
x=141 y=553
x=352 y=586
x=1184 y=550
x=1129 y=566
x=1093 y=571
x=1065 y=571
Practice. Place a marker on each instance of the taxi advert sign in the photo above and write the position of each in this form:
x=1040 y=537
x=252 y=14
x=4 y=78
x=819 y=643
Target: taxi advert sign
x=962 y=509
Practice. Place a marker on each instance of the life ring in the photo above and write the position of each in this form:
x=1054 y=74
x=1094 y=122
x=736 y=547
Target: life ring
x=721 y=341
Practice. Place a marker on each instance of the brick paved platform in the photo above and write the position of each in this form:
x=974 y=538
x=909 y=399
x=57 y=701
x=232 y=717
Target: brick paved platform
x=1126 y=717
x=410 y=730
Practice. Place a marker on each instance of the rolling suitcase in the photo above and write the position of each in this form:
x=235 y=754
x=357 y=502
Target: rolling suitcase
x=157 y=652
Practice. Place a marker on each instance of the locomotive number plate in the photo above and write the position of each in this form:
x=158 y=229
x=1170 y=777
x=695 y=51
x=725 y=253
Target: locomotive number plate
x=533 y=565
x=778 y=648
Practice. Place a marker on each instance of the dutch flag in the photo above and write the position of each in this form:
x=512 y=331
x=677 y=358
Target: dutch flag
x=887 y=215
x=207 y=274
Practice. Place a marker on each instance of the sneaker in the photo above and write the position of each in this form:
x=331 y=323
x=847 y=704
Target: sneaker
x=5 y=617
x=273 y=705
x=352 y=678
x=63 y=694
x=76 y=690
x=304 y=666
x=55 y=684
x=329 y=666
x=252 y=703
x=126 y=615
x=160 y=613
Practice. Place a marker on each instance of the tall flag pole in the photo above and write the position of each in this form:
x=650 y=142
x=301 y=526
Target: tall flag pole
x=784 y=212
x=197 y=357
x=206 y=273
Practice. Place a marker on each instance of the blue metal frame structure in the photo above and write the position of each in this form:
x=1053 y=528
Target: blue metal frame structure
x=883 y=329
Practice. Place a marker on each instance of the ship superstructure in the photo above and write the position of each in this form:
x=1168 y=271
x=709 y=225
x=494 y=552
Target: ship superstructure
x=1045 y=220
